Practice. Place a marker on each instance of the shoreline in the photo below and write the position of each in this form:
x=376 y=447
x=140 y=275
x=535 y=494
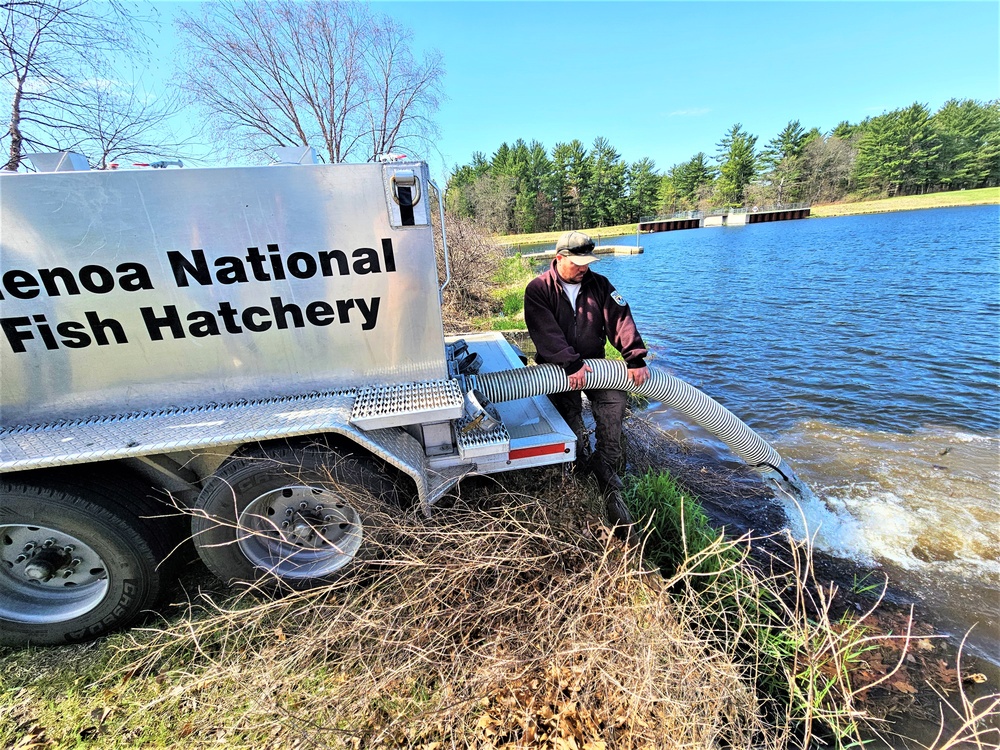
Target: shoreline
x=931 y=666
x=932 y=658
x=951 y=199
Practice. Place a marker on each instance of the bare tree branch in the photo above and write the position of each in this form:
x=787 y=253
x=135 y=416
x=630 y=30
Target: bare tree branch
x=56 y=59
x=329 y=74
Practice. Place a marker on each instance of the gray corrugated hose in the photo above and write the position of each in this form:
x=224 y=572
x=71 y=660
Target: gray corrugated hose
x=525 y=382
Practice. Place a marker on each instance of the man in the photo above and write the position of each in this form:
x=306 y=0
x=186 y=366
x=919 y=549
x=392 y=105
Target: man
x=570 y=312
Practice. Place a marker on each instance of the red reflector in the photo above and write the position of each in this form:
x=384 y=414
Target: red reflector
x=539 y=450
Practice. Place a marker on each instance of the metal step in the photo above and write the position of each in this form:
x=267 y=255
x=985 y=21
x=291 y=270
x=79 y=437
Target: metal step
x=407 y=403
x=476 y=443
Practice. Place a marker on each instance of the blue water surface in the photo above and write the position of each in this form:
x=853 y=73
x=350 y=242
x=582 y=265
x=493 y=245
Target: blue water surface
x=884 y=321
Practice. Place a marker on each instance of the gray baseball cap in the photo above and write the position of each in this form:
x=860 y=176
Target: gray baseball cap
x=576 y=246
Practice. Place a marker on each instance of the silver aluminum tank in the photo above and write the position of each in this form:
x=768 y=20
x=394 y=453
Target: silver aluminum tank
x=130 y=290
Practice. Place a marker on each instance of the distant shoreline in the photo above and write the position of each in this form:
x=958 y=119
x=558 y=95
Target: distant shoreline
x=978 y=197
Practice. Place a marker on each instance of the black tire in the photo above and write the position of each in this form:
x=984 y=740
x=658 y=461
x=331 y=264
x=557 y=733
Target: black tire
x=238 y=528
x=47 y=599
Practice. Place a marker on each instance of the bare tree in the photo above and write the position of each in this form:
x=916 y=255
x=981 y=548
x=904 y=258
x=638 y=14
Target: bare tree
x=113 y=120
x=327 y=74
x=827 y=166
x=51 y=49
x=403 y=93
x=492 y=201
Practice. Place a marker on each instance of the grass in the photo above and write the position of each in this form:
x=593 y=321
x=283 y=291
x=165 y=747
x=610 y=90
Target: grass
x=500 y=627
x=543 y=238
x=509 y=281
x=910 y=202
x=776 y=624
x=511 y=619
x=679 y=531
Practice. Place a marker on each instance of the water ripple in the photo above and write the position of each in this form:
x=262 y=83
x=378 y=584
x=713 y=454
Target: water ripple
x=887 y=321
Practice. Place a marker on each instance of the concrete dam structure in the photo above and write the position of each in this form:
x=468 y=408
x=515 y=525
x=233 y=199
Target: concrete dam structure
x=723 y=217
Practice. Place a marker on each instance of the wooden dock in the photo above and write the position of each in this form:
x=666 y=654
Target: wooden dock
x=598 y=250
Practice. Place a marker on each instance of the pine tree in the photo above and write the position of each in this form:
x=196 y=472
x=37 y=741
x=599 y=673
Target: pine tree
x=737 y=160
x=898 y=152
x=570 y=180
x=642 y=184
x=970 y=143
x=690 y=176
x=603 y=202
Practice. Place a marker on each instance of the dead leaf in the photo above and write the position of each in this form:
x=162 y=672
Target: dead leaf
x=977 y=679
x=34 y=739
x=904 y=687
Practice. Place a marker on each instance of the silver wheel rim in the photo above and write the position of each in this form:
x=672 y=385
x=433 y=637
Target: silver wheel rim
x=48 y=576
x=299 y=532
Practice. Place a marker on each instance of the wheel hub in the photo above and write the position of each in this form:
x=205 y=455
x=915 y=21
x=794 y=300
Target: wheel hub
x=299 y=532
x=47 y=575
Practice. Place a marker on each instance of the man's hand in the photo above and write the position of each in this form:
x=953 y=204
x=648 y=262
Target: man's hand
x=638 y=376
x=579 y=378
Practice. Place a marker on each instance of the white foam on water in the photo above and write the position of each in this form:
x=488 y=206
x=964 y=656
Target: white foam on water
x=925 y=502
x=925 y=505
x=875 y=527
x=965 y=437
x=831 y=529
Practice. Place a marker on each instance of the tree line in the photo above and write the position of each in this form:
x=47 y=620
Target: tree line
x=525 y=188
x=522 y=189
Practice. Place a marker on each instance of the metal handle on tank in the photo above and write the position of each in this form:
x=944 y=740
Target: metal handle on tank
x=444 y=240
x=406 y=178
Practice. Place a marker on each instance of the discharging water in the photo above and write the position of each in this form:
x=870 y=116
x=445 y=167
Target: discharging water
x=866 y=349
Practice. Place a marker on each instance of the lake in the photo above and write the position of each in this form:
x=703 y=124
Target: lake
x=866 y=349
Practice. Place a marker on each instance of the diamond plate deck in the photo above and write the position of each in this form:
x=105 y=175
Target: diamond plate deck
x=145 y=433
x=407 y=403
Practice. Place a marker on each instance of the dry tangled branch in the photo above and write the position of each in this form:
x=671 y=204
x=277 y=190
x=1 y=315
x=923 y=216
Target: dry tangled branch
x=524 y=625
x=474 y=259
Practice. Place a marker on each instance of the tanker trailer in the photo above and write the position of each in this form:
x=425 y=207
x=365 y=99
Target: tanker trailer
x=255 y=344
x=235 y=337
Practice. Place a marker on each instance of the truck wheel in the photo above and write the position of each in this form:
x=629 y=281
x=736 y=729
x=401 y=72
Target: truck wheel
x=75 y=563
x=289 y=515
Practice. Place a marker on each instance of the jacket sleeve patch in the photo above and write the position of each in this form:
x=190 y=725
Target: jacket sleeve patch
x=618 y=298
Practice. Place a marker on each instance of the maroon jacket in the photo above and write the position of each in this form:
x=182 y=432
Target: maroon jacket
x=566 y=340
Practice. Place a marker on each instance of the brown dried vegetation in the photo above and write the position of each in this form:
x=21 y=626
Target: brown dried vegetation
x=474 y=259
x=516 y=625
x=511 y=619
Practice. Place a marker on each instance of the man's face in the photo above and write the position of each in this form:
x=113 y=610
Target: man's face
x=570 y=271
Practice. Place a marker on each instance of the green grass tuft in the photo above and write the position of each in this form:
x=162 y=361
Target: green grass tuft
x=679 y=530
x=513 y=302
x=786 y=640
x=514 y=270
x=507 y=324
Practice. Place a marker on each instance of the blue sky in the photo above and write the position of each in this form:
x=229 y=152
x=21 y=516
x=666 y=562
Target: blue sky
x=667 y=79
